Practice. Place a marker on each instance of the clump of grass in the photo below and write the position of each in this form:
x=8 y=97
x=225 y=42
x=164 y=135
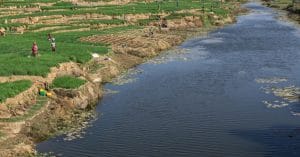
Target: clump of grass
x=11 y=89
x=67 y=82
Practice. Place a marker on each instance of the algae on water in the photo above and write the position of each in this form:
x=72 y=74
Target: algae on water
x=273 y=80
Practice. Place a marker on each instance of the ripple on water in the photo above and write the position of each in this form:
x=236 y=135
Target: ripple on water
x=297 y=33
x=212 y=41
x=275 y=104
x=295 y=113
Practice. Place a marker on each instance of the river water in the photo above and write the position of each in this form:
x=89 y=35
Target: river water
x=211 y=96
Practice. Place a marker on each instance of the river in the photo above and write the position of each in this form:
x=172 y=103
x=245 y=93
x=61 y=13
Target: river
x=211 y=96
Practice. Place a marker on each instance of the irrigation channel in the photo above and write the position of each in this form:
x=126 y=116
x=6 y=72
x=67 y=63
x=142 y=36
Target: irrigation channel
x=212 y=96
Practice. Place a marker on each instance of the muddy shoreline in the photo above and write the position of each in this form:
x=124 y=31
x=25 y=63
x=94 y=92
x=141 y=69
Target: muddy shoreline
x=68 y=109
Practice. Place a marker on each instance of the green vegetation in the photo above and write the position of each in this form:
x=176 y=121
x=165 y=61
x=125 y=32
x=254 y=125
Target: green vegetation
x=15 y=59
x=131 y=8
x=41 y=101
x=67 y=82
x=11 y=89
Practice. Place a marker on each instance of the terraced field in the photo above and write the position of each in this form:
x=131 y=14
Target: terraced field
x=24 y=22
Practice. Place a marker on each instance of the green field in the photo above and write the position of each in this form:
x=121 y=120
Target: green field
x=67 y=82
x=11 y=89
x=15 y=51
x=16 y=59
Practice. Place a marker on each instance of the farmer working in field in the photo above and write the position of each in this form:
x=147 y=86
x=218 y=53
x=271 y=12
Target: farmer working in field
x=53 y=45
x=52 y=41
x=34 y=49
x=49 y=37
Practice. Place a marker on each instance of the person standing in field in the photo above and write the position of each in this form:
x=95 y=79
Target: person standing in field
x=52 y=42
x=53 y=45
x=49 y=37
x=34 y=49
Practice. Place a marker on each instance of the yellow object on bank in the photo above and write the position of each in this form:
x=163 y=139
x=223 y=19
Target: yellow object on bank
x=49 y=94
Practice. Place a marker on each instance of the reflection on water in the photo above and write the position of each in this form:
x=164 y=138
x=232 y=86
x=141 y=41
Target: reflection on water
x=232 y=93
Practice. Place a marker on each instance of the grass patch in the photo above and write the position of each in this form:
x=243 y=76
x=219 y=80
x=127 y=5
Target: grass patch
x=67 y=82
x=11 y=89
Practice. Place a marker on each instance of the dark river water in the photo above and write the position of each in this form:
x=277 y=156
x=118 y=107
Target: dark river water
x=209 y=97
